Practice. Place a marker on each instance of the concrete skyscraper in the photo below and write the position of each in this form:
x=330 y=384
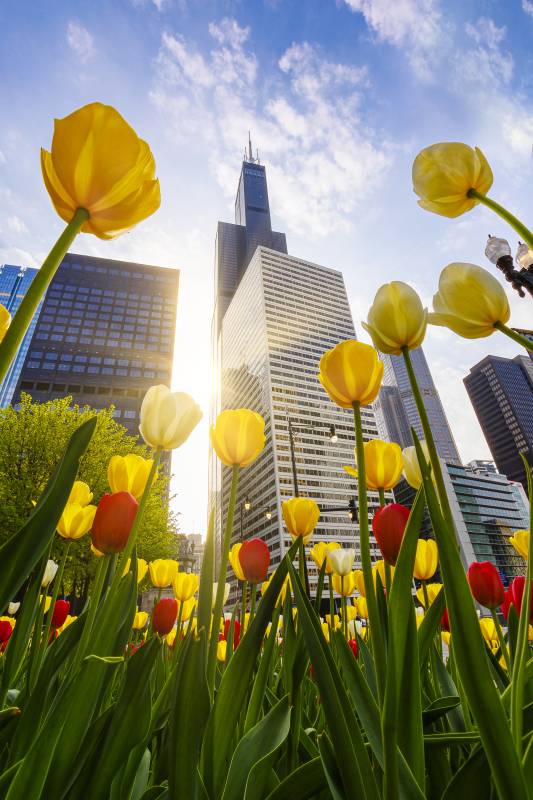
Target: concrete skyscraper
x=501 y=391
x=14 y=283
x=392 y=419
x=105 y=335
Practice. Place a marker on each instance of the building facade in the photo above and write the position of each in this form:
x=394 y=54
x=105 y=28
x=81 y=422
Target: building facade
x=286 y=312
x=104 y=336
x=501 y=391
x=14 y=283
x=389 y=408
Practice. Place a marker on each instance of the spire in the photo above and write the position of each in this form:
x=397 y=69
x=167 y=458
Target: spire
x=250 y=156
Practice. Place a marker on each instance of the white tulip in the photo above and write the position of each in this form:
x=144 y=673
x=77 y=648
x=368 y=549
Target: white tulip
x=49 y=573
x=226 y=593
x=411 y=467
x=168 y=418
x=13 y=608
x=341 y=560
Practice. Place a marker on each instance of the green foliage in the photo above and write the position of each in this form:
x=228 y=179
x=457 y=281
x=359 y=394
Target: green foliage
x=32 y=442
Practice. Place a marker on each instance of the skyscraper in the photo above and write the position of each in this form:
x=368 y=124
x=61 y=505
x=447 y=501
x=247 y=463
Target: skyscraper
x=14 y=283
x=104 y=336
x=501 y=391
x=389 y=413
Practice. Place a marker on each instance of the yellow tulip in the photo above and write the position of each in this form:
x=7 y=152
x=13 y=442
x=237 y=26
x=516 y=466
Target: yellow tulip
x=185 y=585
x=5 y=321
x=488 y=629
x=383 y=464
x=396 y=318
x=187 y=608
x=129 y=474
x=470 y=301
x=235 y=563
x=167 y=418
x=139 y=620
x=361 y=606
x=343 y=585
x=142 y=565
x=446 y=637
x=69 y=620
x=319 y=552
x=444 y=173
x=378 y=568
x=170 y=638
x=99 y=163
x=432 y=591
x=360 y=582
x=221 y=650
x=336 y=621
x=80 y=494
x=411 y=467
x=351 y=613
x=419 y=618
x=238 y=436
x=300 y=515
x=163 y=571
x=286 y=584
x=351 y=372
x=426 y=559
x=325 y=630
x=99 y=554
x=520 y=542
x=76 y=521
x=47 y=601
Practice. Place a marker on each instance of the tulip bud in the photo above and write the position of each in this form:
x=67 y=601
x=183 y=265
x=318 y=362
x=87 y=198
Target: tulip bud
x=238 y=436
x=76 y=520
x=344 y=585
x=221 y=650
x=80 y=494
x=129 y=474
x=520 y=542
x=396 y=318
x=5 y=321
x=163 y=571
x=485 y=584
x=411 y=468
x=6 y=629
x=113 y=522
x=351 y=372
x=13 y=608
x=517 y=588
x=235 y=562
x=60 y=613
x=445 y=621
x=185 y=586
x=319 y=553
x=236 y=631
x=507 y=601
x=300 y=515
x=432 y=590
x=227 y=588
x=164 y=616
x=352 y=644
x=139 y=620
x=254 y=556
x=426 y=559
x=168 y=418
x=342 y=560
x=388 y=526
x=49 y=573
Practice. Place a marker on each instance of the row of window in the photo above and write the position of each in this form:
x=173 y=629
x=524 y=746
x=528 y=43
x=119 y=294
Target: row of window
x=140 y=343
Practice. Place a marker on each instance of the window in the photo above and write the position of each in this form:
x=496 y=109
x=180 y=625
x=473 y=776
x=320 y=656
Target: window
x=129 y=414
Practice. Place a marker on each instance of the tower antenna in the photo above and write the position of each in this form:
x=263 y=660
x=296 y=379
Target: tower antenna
x=250 y=156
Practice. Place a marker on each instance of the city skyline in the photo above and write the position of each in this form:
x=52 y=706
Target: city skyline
x=194 y=82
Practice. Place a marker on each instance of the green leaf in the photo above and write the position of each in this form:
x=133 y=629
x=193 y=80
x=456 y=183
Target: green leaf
x=255 y=754
x=320 y=586
x=430 y=626
x=439 y=708
x=142 y=775
x=188 y=717
x=256 y=699
x=331 y=769
x=104 y=659
x=350 y=752
x=305 y=783
x=472 y=779
x=24 y=549
x=207 y=576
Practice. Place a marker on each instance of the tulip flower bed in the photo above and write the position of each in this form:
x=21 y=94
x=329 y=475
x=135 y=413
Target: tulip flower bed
x=400 y=691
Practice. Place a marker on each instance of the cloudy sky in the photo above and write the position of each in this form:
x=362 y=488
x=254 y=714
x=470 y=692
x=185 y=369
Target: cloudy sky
x=339 y=95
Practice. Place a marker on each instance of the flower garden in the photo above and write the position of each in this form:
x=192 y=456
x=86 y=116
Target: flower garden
x=401 y=691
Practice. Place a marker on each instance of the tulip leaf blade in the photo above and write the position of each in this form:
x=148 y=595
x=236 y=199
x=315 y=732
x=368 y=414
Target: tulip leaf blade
x=22 y=551
x=439 y=707
x=207 y=576
x=331 y=769
x=306 y=782
x=261 y=678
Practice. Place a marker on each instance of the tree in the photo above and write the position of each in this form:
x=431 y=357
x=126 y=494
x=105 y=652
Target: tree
x=33 y=439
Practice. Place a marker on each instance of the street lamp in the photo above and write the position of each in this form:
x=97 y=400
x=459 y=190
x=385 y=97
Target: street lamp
x=309 y=427
x=268 y=513
x=498 y=251
x=246 y=505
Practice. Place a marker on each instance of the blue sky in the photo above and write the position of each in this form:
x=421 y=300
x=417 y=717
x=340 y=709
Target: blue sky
x=340 y=95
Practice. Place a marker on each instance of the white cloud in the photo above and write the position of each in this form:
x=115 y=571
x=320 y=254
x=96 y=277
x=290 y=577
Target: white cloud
x=414 y=25
x=3 y=159
x=527 y=6
x=323 y=160
x=16 y=225
x=80 y=41
x=487 y=64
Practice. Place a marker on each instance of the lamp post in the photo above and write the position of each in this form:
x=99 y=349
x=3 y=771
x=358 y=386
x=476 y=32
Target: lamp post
x=498 y=251
x=296 y=427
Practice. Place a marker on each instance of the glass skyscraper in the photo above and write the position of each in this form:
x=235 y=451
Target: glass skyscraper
x=14 y=283
x=104 y=336
x=501 y=391
x=389 y=413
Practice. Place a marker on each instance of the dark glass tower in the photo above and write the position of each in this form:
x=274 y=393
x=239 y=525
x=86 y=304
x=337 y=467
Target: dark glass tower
x=104 y=336
x=501 y=391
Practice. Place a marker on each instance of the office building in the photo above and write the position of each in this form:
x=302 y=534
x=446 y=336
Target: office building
x=190 y=552
x=501 y=391
x=104 y=336
x=14 y=283
x=388 y=409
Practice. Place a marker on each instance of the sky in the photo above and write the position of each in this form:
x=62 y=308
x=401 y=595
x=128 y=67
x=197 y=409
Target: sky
x=339 y=96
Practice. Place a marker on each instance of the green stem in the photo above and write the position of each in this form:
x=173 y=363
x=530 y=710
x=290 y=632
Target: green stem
x=378 y=644
x=381 y=491
x=99 y=579
x=343 y=604
x=219 y=601
x=253 y=592
x=502 y=212
x=21 y=321
x=244 y=602
x=388 y=579
x=430 y=442
x=503 y=645
x=527 y=343
x=331 y=600
x=57 y=585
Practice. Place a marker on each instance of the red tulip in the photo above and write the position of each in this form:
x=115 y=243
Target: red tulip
x=236 y=631
x=445 y=621
x=353 y=646
x=388 y=526
x=113 y=521
x=517 y=593
x=61 y=612
x=254 y=557
x=164 y=615
x=486 y=584
x=6 y=629
x=507 y=601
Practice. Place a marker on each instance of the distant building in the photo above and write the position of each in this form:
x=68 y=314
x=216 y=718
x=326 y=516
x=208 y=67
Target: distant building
x=105 y=335
x=191 y=553
x=501 y=391
x=14 y=283
x=482 y=467
x=397 y=423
